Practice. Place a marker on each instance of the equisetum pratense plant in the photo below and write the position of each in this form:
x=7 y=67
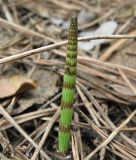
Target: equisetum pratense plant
x=68 y=91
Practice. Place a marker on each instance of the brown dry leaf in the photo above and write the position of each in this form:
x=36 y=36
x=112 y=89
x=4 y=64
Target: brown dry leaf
x=14 y=84
x=46 y=87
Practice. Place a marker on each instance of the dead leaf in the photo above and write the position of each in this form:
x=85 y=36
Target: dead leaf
x=46 y=87
x=14 y=84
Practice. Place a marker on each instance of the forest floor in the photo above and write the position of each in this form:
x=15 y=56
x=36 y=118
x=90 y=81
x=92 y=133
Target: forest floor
x=32 y=60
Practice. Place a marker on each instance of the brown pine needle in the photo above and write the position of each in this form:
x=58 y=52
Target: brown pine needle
x=111 y=136
x=59 y=44
x=12 y=121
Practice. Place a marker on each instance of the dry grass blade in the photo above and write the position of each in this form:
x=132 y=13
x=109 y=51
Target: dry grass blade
x=26 y=117
x=105 y=121
x=20 y=28
x=103 y=134
x=52 y=46
x=74 y=147
x=88 y=106
x=109 y=122
x=127 y=81
x=78 y=137
x=12 y=121
x=53 y=119
x=111 y=136
x=114 y=47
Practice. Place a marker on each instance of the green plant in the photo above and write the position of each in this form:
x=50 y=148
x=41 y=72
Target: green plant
x=68 y=91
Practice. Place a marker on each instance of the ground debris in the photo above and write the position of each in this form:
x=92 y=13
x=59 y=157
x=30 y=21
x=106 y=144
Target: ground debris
x=104 y=122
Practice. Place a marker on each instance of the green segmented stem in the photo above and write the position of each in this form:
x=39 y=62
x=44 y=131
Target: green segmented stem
x=68 y=91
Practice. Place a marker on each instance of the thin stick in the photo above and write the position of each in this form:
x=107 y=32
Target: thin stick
x=62 y=43
x=111 y=136
x=11 y=120
x=48 y=128
x=114 y=47
x=127 y=81
x=20 y=28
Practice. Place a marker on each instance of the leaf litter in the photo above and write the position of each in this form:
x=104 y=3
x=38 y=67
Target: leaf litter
x=103 y=125
x=15 y=84
x=107 y=28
